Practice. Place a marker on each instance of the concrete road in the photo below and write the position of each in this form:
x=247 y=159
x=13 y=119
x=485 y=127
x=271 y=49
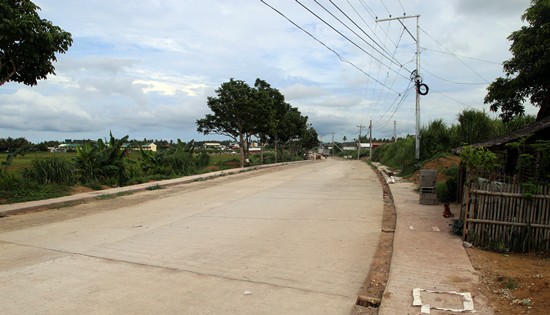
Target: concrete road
x=295 y=240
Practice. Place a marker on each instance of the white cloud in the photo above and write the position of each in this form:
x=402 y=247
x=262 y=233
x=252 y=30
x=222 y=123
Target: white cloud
x=145 y=68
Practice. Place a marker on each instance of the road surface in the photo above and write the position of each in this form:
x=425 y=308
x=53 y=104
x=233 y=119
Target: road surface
x=290 y=240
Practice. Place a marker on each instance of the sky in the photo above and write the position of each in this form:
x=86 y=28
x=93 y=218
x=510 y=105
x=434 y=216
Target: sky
x=145 y=68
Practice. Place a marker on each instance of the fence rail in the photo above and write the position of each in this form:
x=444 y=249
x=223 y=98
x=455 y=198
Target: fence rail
x=508 y=217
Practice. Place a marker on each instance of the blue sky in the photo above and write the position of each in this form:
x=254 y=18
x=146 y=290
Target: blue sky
x=145 y=68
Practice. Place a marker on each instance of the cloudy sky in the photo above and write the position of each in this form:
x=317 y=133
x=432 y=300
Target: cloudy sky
x=145 y=68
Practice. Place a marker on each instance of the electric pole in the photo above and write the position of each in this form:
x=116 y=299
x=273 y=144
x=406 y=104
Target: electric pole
x=394 y=131
x=416 y=78
x=359 y=141
x=332 y=145
x=370 y=136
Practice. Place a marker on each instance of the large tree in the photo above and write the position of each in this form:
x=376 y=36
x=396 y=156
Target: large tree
x=527 y=75
x=274 y=108
x=234 y=115
x=241 y=112
x=28 y=44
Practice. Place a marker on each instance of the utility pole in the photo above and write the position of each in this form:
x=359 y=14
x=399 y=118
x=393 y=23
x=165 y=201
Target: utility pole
x=370 y=135
x=359 y=141
x=417 y=78
x=332 y=145
x=394 y=131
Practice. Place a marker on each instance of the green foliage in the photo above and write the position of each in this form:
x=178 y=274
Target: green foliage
x=28 y=44
x=102 y=163
x=442 y=191
x=517 y=122
x=510 y=283
x=86 y=162
x=202 y=160
x=175 y=161
x=16 y=188
x=241 y=112
x=527 y=75
x=398 y=155
x=155 y=187
x=434 y=139
x=11 y=145
x=542 y=150
x=532 y=166
x=53 y=170
x=475 y=126
x=479 y=159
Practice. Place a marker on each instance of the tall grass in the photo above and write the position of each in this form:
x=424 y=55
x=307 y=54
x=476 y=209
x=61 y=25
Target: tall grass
x=398 y=155
x=15 y=188
x=53 y=170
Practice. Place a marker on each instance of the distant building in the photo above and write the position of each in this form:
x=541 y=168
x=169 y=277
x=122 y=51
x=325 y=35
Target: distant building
x=149 y=147
x=214 y=146
x=66 y=147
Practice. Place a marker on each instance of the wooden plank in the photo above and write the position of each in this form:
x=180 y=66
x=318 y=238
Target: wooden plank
x=519 y=195
x=544 y=226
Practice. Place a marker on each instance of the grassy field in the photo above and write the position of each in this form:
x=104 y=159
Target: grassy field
x=16 y=187
x=24 y=161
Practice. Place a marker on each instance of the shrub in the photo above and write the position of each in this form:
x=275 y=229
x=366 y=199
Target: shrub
x=16 y=188
x=202 y=160
x=398 y=155
x=52 y=170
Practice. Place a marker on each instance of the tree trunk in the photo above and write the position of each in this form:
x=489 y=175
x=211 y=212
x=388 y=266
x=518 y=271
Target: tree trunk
x=262 y=154
x=242 y=149
x=276 y=148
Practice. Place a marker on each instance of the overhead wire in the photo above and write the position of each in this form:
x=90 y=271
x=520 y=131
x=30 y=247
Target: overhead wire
x=460 y=56
x=329 y=48
x=382 y=2
x=374 y=17
x=464 y=63
x=344 y=36
x=381 y=122
x=401 y=4
x=451 y=81
x=381 y=98
x=361 y=29
x=382 y=50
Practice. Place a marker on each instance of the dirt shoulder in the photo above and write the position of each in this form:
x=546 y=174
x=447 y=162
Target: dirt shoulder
x=514 y=283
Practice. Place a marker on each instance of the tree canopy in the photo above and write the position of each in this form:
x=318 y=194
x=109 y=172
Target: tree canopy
x=242 y=112
x=527 y=75
x=28 y=44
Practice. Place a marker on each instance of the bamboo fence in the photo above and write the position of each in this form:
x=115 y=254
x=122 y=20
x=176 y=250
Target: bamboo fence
x=508 y=217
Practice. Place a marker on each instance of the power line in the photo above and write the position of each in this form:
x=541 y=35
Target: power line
x=382 y=2
x=454 y=82
x=401 y=4
x=468 y=66
x=347 y=16
x=460 y=56
x=326 y=46
x=347 y=38
x=403 y=97
x=396 y=45
x=373 y=16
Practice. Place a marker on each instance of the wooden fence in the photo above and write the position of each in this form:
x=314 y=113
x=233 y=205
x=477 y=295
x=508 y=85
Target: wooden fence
x=508 y=217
